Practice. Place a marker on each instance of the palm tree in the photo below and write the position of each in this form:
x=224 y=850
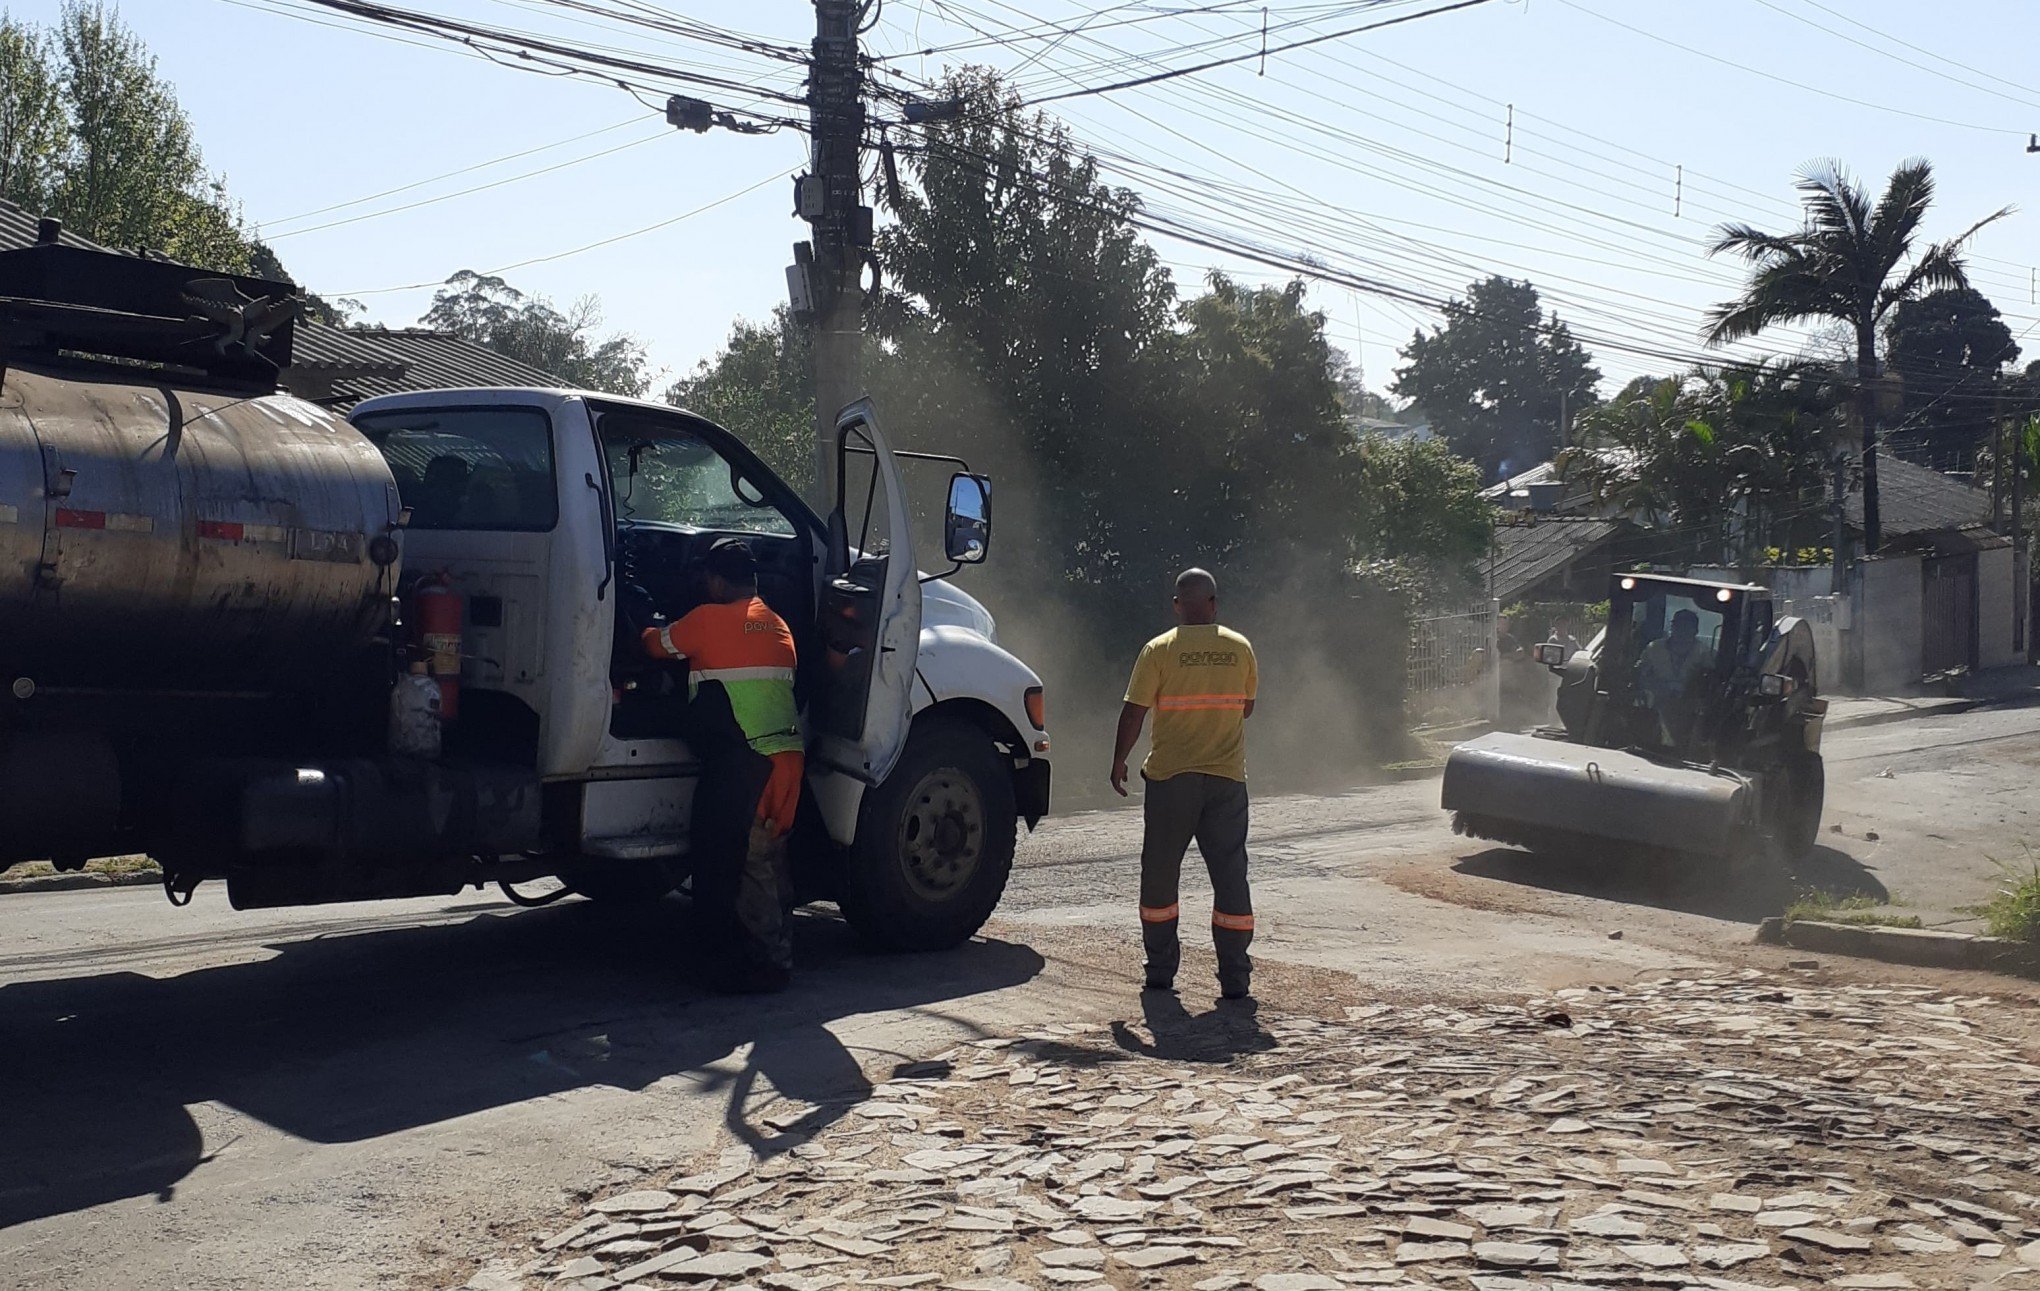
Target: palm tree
x=1852 y=262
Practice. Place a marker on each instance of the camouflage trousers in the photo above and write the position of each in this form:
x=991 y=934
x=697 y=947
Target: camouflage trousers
x=742 y=879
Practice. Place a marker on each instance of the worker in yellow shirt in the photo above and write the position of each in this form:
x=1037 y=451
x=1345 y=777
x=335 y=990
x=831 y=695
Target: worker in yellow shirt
x=1200 y=679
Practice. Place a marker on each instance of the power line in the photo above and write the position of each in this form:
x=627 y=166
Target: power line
x=533 y=52
x=1915 y=48
x=455 y=174
x=1896 y=58
x=775 y=177
x=465 y=192
x=1785 y=80
x=1241 y=58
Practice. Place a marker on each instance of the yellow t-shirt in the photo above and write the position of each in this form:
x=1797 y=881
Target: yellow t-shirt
x=1197 y=679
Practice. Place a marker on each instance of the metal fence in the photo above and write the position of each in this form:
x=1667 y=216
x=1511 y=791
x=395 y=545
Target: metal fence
x=1450 y=669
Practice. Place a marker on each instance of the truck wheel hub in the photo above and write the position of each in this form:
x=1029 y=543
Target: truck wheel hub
x=942 y=834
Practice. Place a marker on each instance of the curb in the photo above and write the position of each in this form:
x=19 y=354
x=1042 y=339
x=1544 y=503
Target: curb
x=1941 y=706
x=80 y=882
x=1918 y=947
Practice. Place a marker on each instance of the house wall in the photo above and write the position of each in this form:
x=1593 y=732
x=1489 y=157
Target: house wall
x=1885 y=642
x=1804 y=591
x=1996 y=579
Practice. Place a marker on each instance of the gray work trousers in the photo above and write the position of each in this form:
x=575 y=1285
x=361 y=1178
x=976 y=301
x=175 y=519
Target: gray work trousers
x=1212 y=810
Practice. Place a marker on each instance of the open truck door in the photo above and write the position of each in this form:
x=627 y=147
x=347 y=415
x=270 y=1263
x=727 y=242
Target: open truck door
x=871 y=613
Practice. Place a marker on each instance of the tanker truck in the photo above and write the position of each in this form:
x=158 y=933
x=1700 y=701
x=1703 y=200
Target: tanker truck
x=324 y=659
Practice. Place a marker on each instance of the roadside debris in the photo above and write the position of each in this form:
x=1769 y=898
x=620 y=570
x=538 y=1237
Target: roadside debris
x=1707 y=1131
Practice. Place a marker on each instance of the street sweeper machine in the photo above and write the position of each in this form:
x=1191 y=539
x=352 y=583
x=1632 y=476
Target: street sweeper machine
x=1690 y=725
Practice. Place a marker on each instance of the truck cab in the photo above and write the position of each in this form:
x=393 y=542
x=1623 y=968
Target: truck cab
x=569 y=522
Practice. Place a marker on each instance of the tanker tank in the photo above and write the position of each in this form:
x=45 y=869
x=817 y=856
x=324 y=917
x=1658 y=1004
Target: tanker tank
x=160 y=536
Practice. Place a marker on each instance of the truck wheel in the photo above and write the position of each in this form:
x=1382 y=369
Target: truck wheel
x=1801 y=832
x=934 y=842
x=618 y=882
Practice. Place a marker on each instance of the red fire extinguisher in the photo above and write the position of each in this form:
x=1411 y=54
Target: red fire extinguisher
x=438 y=611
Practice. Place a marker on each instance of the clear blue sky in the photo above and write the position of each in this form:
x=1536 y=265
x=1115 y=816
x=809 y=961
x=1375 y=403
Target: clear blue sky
x=1382 y=154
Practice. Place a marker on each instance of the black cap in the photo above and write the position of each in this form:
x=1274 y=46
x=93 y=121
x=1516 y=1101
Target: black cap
x=730 y=559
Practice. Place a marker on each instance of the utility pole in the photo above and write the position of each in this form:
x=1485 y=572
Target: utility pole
x=831 y=201
x=2022 y=578
x=1838 y=502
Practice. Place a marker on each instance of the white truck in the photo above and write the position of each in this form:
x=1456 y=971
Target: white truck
x=210 y=592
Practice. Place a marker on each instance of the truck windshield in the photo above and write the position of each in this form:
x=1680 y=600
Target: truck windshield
x=469 y=468
x=673 y=477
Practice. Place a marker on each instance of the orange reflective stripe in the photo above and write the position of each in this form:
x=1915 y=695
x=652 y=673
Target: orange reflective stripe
x=1160 y=913
x=1190 y=703
x=1232 y=922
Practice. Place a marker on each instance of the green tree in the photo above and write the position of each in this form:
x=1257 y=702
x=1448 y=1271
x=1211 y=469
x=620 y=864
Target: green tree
x=491 y=312
x=1724 y=462
x=1417 y=504
x=1853 y=262
x=33 y=126
x=1498 y=377
x=263 y=263
x=760 y=384
x=132 y=175
x=1950 y=349
x=91 y=134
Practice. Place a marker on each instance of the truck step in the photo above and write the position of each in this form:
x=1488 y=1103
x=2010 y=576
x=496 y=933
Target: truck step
x=636 y=847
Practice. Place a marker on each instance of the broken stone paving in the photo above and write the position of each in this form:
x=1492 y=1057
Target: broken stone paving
x=1718 y=1131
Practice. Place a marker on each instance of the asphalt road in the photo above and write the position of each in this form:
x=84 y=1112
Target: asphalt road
x=364 y=1096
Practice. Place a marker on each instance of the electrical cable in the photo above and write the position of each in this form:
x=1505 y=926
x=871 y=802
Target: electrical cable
x=1896 y=58
x=775 y=177
x=1241 y=58
x=454 y=174
x=1786 y=80
x=465 y=192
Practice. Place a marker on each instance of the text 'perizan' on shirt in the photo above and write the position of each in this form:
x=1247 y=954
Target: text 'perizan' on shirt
x=1197 y=679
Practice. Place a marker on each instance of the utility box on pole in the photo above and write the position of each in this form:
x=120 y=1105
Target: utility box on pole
x=832 y=203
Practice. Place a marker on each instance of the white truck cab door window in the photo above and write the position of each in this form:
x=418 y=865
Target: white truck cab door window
x=872 y=611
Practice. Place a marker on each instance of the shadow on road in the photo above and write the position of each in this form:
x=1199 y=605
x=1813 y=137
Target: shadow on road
x=1220 y=1035
x=1688 y=886
x=344 y=1038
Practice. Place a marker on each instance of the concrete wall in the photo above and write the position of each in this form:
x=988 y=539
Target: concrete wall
x=1805 y=591
x=1995 y=609
x=1885 y=641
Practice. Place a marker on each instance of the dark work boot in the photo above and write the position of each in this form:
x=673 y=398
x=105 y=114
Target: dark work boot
x=1164 y=954
x=1235 y=966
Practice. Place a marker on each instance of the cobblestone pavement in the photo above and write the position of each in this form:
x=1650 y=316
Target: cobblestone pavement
x=1726 y=1129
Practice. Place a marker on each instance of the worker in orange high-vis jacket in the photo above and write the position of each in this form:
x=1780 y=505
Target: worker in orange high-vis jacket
x=1200 y=679
x=746 y=728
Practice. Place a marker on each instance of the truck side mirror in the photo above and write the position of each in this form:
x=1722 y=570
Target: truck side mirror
x=967 y=526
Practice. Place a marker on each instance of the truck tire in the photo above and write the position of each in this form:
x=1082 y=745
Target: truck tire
x=1801 y=831
x=618 y=883
x=934 y=842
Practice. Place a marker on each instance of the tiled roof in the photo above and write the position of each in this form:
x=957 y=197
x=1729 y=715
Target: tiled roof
x=18 y=230
x=342 y=366
x=430 y=361
x=1529 y=552
x=1912 y=499
x=339 y=352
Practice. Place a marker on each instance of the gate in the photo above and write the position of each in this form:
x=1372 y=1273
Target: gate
x=1948 y=613
x=1449 y=673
